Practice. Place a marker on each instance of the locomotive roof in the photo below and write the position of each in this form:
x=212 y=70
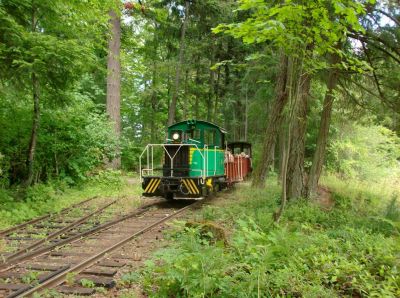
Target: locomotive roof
x=194 y=122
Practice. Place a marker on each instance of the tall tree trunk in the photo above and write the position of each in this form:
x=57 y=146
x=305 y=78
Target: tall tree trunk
x=246 y=112
x=34 y=132
x=186 y=105
x=196 y=105
x=210 y=93
x=274 y=123
x=36 y=113
x=284 y=167
x=319 y=155
x=211 y=80
x=216 y=96
x=295 y=180
x=172 y=106
x=282 y=147
x=153 y=104
x=114 y=81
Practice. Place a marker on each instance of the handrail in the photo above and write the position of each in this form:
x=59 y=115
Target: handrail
x=215 y=159
x=150 y=158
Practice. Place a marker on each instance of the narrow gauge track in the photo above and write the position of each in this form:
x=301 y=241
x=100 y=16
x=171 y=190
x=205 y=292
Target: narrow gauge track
x=93 y=256
x=43 y=218
x=31 y=234
x=59 y=234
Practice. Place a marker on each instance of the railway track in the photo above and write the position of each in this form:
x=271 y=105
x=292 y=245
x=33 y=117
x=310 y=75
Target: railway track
x=90 y=257
x=33 y=234
x=43 y=218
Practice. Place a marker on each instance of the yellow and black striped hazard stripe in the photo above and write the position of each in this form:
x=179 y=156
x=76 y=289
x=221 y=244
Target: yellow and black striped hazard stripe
x=191 y=186
x=152 y=186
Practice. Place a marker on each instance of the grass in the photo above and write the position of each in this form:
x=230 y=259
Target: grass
x=363 y=195
x=349 y=251
x=53 y=197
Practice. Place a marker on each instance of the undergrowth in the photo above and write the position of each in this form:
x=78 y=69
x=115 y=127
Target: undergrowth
x=350 y=251
x=55 y=196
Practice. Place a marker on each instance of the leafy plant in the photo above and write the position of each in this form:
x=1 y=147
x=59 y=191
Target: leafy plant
x=87 y=283
x=70 y=278
x=312 y=253
x=30 y=277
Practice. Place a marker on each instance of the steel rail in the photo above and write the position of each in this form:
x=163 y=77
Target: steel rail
x=29 y=255
x=55 y=234
x=35 y=220
x=28 y=287
x=56 y=280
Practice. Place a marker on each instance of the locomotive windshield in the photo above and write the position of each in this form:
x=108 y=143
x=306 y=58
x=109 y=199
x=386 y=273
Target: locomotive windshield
x=182 y=136
x=194 y=134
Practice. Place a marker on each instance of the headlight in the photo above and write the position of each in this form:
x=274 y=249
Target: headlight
x=175 y=136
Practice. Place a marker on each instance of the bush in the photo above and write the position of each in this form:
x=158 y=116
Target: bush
x=75 y=138
x=56 y=195
x=313 y=253
x=108 y=178
x=3 y=171
x=365 y=153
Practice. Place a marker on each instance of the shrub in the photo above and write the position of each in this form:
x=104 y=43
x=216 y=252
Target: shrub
x=365 y=153
x=312 y=253
x=75 y=138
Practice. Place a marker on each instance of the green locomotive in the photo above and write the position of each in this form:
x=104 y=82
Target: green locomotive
x=193 y=162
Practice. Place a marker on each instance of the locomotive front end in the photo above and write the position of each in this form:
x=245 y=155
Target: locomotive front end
x=192 y=165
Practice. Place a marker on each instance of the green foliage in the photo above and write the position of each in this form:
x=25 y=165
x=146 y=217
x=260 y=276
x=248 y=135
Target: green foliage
x=31 y=277
x=365 y=153
x=130 y=153
x=87 y=283
x=3 y=171
x=52 y=197
x=393 y=208
x=46 y=48
x=74 y=139
x=113 y=179
x=188 y=269
x=309 y=29
x=313 y=253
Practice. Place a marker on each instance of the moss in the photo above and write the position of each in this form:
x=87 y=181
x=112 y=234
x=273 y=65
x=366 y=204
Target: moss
x=211 y=231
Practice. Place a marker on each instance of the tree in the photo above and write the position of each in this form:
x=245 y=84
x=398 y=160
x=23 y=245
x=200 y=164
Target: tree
x=175 y=93
x=274 y=123
x=38 y=50
x=114 y=79
x=306 y=32
x=322 y=139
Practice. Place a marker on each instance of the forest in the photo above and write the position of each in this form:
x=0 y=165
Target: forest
x=314 y=86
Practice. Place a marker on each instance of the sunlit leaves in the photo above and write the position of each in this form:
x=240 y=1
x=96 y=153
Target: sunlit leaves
x=295 y=25
x=58 y=45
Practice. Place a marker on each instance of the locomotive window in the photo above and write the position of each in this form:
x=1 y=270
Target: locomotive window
x=194 y=134
x=209 y=137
